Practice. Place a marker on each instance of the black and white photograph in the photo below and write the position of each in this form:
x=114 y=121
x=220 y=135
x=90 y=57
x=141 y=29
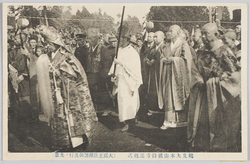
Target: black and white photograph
x=125 y=81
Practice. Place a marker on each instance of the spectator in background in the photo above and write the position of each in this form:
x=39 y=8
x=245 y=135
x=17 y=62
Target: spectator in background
x=229 y=38
x=82 y=52
x=198 y=44
x=238 y=34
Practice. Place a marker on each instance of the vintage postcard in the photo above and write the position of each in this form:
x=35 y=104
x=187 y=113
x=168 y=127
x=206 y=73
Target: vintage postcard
x=125 y=81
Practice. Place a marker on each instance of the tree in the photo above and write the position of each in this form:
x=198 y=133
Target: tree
x=180 y=14
x=134 y=25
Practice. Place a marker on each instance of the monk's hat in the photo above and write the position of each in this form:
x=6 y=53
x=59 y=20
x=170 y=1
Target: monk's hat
x=51 y=35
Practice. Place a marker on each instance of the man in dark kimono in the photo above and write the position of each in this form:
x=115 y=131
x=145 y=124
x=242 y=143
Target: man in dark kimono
x=82 y=52
x=33 y=77
x=18 y=61
x=64 y=95
x=107 y=57
x=152 y=66
x=214 y=108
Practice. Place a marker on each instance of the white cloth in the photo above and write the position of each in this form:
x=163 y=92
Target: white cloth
x=157 y=46
x=129 y=79
x=175 y=45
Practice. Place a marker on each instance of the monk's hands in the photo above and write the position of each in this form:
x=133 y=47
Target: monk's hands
x=167 y=60
x=114 y=79
x=20 y=78
x=149 y=62
x=116 y=61
x=25 y=51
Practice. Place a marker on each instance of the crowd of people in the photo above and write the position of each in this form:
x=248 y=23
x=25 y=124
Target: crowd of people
x=194 y=79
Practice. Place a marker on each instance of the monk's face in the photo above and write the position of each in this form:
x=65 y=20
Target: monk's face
x=228 y=41
x=238 y=29
x=208 y=36
x=158 y=37
x=123 y=42
x=209 y=33
x=150 y=37
x=174 y=32
x=197 y=36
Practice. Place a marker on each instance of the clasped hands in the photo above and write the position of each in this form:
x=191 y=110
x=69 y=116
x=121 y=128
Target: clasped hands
x=149 y=62
x=117 y=61
x=167 y=60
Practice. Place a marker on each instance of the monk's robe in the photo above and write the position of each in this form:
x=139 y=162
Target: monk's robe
x=214 y=114
x=129 y=80
x=174 y=82
x=65 y=99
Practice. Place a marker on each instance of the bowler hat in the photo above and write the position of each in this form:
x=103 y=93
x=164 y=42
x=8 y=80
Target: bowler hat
x=81 y=36
x=112 y=38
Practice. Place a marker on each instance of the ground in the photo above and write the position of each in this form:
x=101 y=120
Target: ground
x=143 y=137
x=146 y=136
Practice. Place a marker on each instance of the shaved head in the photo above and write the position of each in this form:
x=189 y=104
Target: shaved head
x=151 y=34
x=175 y=28
x=174 y=32
x=211 y=27
x=159 y=37
x=160 y=34
x=197 y=35
x=229 y=38
x=151 y=37
x=230 y=34
x=238 y=29
x=209 y=33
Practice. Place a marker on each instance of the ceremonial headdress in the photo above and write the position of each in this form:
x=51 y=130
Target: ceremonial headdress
x=51 y=35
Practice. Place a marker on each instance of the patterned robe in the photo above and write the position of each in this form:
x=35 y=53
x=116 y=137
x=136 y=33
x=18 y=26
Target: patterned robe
x=174 y=81
x=214 y=106
x=65 y=99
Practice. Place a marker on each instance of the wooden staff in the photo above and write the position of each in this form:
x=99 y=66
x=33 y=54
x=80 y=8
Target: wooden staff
x=116 y=54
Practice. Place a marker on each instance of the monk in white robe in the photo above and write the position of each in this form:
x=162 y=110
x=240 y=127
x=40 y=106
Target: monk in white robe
x=128 y=79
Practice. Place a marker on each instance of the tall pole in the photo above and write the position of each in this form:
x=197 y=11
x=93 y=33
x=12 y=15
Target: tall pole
x=118 y=44
x=210 y=14
x=45 y=16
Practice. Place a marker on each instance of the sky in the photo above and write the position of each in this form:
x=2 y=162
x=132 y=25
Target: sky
x=138 y=10
x=114 y=9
